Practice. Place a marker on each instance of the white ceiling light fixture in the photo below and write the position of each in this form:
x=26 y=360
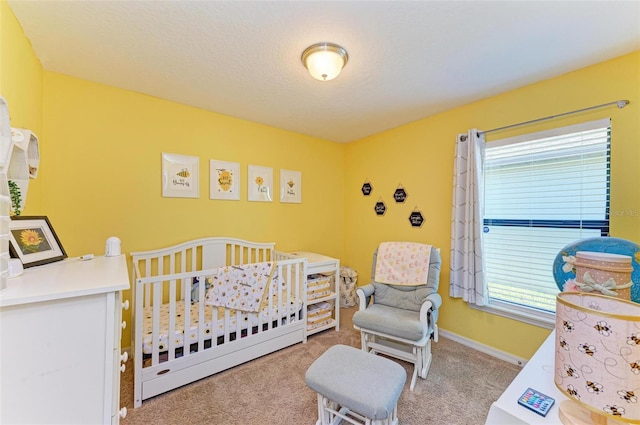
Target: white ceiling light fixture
x=324 y=61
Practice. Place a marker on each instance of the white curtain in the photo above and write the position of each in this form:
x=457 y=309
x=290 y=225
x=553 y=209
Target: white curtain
x=467 y=279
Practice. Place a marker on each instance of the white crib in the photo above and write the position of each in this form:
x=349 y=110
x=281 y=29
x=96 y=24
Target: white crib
x=171 y=291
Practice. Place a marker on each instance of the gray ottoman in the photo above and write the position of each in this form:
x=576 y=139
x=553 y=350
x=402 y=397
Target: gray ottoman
x=356 y=386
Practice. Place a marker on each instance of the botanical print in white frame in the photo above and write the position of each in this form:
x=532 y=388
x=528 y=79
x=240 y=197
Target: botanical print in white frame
x=225 y=180
x=180 y=176
x=259 y=183
x=290 y=186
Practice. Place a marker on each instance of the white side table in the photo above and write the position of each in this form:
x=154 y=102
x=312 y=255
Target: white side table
x=537 y=374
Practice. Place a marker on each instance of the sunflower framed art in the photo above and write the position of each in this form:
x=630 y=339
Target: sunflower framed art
x=33 y=240
x=260 y=183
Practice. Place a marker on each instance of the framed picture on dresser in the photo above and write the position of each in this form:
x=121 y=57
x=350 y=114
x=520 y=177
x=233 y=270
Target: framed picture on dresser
x=33 y=240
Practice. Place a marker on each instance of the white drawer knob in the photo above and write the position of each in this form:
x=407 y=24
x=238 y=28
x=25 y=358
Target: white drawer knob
x=123 y=367
x=124 y=357
x=123 y=412
x=123 y=325
x=125 y=305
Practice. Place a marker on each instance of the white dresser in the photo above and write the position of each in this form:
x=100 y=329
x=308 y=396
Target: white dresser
x=60 y=328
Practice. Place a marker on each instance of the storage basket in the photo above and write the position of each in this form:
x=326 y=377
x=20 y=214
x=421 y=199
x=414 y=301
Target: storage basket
x=348 y=280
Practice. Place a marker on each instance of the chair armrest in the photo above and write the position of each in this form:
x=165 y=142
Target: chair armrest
x=429 y=310
x=435 y=299
x=364 y=295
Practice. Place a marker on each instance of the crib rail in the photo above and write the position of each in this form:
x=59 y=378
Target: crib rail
x=283 y=301
x=200 y=254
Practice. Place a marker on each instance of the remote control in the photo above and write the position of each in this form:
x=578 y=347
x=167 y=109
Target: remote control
x=536 y=401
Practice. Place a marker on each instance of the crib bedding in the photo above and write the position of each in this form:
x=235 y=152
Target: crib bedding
x=248 y=320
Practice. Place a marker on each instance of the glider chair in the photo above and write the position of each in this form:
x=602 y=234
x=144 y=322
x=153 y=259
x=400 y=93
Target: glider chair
x=398 y=310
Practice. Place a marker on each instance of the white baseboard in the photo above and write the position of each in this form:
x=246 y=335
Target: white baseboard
x=483 y=348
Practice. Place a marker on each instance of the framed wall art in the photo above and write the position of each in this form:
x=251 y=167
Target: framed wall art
x=225 y=180
x=290 y=186
x=180 y=176
x=33 y=241
x=260 y=183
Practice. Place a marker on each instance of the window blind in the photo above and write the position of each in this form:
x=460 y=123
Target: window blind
x=542 y=192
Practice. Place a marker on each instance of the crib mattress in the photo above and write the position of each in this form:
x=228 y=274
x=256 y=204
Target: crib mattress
x=248 y=320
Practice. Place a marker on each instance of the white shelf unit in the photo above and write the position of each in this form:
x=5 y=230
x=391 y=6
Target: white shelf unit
x=320 y=268
x=60 y=329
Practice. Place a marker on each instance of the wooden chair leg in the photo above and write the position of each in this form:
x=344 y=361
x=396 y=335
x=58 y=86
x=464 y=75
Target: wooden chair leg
x=413 y=377
x=364 y=339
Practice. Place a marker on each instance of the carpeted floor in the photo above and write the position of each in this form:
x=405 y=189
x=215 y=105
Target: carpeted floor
x=461 y=385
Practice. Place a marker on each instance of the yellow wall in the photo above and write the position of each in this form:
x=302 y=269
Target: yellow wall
x=101 y=164
x=420 y=157
x=103 y=174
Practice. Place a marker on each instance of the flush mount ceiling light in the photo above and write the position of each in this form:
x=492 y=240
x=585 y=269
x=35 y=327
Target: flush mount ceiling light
x=324 y=60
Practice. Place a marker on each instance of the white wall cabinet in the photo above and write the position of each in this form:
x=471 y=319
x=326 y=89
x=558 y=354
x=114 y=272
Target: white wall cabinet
x=323 y=305
x=60 y=329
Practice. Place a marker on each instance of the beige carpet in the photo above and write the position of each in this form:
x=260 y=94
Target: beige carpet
x=461 y=385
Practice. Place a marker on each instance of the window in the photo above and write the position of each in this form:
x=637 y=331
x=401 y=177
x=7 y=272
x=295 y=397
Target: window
x=542 y=192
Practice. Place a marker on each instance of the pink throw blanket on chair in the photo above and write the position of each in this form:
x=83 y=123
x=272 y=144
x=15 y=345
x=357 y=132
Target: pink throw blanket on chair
x=403 y=263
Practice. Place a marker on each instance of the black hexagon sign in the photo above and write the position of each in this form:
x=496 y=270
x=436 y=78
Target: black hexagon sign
x=400 y=195
x=367 y=189
x=416 y=219
x=380 y=208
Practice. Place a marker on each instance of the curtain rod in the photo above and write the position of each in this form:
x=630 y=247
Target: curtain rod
x=620 y=103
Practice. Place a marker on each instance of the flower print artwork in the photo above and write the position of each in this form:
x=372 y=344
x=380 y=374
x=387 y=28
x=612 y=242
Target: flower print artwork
x=260 y=183
x=31 y=240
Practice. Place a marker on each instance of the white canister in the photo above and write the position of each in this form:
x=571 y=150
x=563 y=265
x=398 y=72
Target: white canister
x=112 y=248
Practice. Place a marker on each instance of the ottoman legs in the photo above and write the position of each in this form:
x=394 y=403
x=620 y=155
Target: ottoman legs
x=330 y=413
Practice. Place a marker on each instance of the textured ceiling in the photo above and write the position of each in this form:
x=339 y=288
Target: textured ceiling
x=407 y=59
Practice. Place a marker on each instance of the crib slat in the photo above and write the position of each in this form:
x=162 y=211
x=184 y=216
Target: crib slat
x=183 y=263
x=155 y=327
x=214 y=326
x=194 y=258
x=147 y=293
x=201 y=322
x=186 y=315
x=171 y=341
x=227 y=324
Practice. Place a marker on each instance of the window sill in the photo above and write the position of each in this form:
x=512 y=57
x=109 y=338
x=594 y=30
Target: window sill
x=527 y=315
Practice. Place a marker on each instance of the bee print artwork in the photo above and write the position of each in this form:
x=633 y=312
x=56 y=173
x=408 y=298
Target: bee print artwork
x=225 y=180
x=290 y=186
x=179 y=176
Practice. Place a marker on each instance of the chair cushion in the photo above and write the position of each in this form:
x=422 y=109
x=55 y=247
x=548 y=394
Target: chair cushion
x=391 y=320
x=408 y=297
x=404 y=297
x=367 y=384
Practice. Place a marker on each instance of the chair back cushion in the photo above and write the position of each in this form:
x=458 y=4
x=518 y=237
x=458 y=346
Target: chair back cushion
x=408 y=297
